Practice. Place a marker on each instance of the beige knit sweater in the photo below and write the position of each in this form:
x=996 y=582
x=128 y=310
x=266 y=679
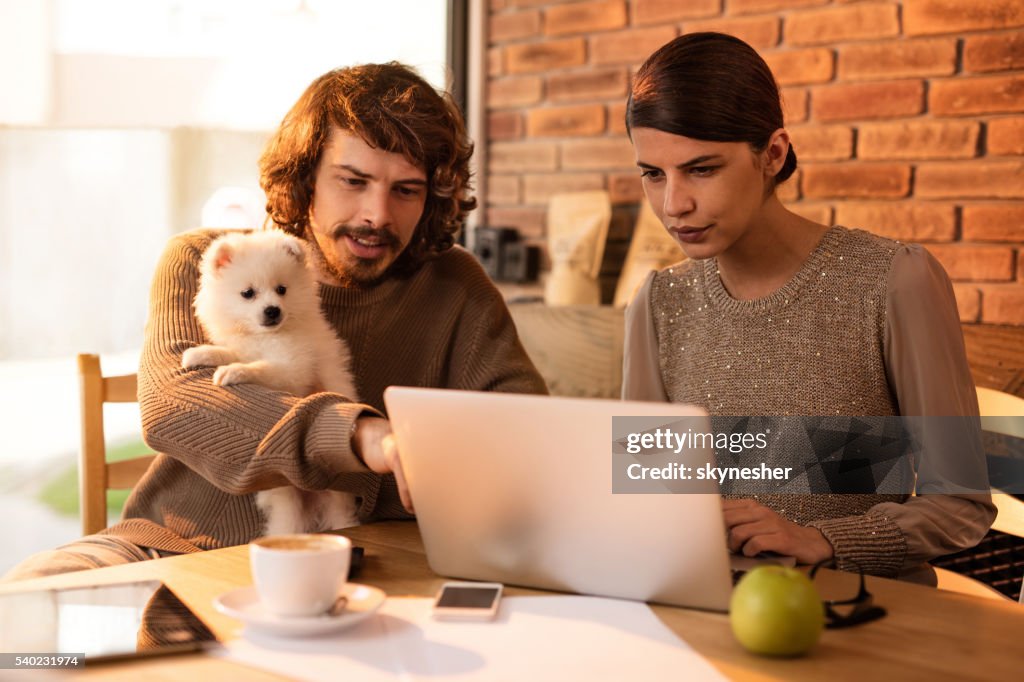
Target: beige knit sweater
x=445 y=326
x=867 y=326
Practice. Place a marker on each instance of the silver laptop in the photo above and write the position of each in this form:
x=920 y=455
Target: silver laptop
x=518 y=489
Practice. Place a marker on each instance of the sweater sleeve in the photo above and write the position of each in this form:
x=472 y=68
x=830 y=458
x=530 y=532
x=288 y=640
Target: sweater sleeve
x=241 y=438
x=928 y=371
x=486 y=354
x=641 y=372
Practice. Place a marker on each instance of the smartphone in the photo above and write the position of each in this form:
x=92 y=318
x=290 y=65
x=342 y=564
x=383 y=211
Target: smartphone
x=467 y=601
x=355 y=564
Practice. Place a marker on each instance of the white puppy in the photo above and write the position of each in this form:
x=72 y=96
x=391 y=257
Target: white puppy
x=259 y=306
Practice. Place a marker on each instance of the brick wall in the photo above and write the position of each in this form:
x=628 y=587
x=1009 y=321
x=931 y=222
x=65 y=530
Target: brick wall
x=907 y=118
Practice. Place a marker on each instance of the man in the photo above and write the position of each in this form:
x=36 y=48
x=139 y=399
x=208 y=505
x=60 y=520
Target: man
x=370 y=167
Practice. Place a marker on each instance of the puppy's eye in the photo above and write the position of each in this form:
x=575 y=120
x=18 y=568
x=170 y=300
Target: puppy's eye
x=248 y=293
x=281 y=289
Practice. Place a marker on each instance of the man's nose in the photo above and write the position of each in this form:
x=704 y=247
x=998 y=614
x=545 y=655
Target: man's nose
x=376 y=208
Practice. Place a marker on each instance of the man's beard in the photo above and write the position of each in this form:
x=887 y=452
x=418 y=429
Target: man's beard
x=362 y=273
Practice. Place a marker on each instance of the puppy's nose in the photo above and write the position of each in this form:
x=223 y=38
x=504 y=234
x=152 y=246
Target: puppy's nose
x=272 y=313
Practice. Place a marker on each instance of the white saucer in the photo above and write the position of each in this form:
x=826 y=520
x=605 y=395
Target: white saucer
x=244 y=604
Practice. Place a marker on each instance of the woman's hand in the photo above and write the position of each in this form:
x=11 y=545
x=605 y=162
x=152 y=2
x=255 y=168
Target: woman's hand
x=754 y=528
x=373 y=442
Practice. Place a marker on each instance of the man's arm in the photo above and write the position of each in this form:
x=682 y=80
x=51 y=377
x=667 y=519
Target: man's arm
x=241 y=438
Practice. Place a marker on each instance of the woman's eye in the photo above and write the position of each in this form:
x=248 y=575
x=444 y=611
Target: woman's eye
x=248 y=293
x=353 y=182
x=651 y=174
x=281 y=289
x=703 y=171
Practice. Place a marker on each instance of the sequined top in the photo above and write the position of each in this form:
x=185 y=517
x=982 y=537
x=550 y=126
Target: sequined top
x=867 y=326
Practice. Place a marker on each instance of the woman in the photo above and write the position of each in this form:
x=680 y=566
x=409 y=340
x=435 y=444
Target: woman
x=777 y=315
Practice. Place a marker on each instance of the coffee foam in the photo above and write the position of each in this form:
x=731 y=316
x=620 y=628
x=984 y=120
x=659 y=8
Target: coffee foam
x=307 y=543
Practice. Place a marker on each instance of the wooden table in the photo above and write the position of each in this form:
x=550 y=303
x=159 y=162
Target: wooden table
x=929 y=634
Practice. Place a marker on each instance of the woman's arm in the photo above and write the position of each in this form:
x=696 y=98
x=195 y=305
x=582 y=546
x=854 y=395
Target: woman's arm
x=641 y=371
x=928 y=370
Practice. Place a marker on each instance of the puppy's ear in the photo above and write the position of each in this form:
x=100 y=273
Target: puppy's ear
x=220 y=255
x=294 y=248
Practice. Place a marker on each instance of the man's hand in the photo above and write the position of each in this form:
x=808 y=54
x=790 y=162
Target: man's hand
x=754 y=528
x=373 y=442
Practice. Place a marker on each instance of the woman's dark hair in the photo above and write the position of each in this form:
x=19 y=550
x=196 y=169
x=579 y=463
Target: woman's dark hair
x=709 y=86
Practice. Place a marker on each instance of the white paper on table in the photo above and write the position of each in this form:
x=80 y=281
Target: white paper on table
x=536 y=638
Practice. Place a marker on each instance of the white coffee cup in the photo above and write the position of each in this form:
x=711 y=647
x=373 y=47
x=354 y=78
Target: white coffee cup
x=299 y=575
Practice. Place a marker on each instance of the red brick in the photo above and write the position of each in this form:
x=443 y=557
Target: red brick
x=514 y=92
x=497 y=5
x=495 y=62
x=538 y=189
x=758 y=32
x=818 y=213
x=993 y=222
x=956 y=16
x=625 y=188
x=504 y=125
x=1006 y=135
x=513 y=26
x=1002 y=304
x=881 y=180
x=908 y=221
x=799 y=67
x=757 y=6
x=598 y=153
x=867 y=100
x=529 y=221
x=617 y=118
x=822 y=143
x=968 y=302
x=898 y=59
x=972 y=96
x=790 y=189
x=543 y=56
x=665 y=11
x=918 y=139
x=971 y=179
x=970 y=263
x=593 y=84
x=585 y=17
x=862 y=21
x=536 y=3
x=994 y=52
x=630 y=46
x=503 y=189
x=794 y=105
x=581 y=119
x=518 y=157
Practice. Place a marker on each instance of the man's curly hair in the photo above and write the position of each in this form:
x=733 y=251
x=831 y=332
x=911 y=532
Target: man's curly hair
x=391 y=108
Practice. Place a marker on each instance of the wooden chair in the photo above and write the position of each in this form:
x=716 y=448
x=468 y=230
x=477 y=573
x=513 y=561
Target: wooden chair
x=95 y=475
x=1000 y=413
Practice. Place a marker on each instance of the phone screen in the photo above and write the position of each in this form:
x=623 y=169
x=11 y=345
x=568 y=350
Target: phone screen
x=102 y=621
x=467 y=597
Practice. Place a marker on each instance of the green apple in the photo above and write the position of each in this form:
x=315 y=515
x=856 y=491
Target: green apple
x=776 y=611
